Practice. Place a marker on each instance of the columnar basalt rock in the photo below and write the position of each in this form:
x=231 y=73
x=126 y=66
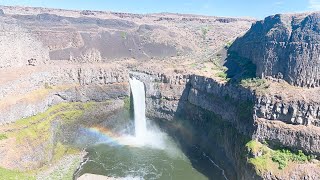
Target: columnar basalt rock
x=278 y=120
x=284 y=46
x=293 y=112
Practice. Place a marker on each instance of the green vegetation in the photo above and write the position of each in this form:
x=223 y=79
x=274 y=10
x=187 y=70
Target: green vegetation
x=283 y=156
x=61 y=150
x=221 y=71
x=254 y=83
x=266 y=159
x=204 y=31
x=228 y=45
x=44 y=130
x=37 y=128
x=37 y=131
x=47 y=86
x=124 y=35
x=222 y=74
x=6 y=174
x=127 y=103
x=193 y=65
x=3 y=136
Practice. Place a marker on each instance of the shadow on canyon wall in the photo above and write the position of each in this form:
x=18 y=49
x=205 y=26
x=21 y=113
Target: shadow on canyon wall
x=239 y=68
x=214 y=145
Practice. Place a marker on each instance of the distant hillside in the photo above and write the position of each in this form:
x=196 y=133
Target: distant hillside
x=84 y=36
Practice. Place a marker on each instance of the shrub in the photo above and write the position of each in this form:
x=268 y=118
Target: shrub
x=47 y=86
x=280 y=158
x=124 y=35
x=300 y=157
x=270 y=158
x=222 y=75
x=260 y=163
x=3 y=136
x=228 y=44
x=193 y=65
x=204 y=31
x=127 y=103
x=254 y=82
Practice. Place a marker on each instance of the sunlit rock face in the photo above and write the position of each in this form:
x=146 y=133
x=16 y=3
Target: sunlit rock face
x=284 y=46
x=95 y=36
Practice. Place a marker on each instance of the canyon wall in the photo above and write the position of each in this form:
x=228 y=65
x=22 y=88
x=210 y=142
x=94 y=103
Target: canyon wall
x=55 y=56
x=197 y=110
x=34 y=92
x=284 y=46
x=209 y=105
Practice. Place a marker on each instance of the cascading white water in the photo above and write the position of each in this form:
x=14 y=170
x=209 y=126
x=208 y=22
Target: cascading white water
x=139 y=103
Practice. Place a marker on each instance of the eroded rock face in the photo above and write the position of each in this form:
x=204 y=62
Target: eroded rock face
x=167 y=95
x=293 y=112
x=285 y=46
x=51 y=86
x=18 y=47
x=296 y=137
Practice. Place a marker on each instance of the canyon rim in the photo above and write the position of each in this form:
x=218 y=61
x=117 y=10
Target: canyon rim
x=235 y=98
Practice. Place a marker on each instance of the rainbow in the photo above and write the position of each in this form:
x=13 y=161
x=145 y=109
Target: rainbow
x=108 y=137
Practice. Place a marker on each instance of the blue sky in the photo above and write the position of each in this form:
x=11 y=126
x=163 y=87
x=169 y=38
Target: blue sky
x=244 y=8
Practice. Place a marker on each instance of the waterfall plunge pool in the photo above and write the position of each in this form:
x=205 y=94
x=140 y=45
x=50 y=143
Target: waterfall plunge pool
x=138 y=149
x=114 y=153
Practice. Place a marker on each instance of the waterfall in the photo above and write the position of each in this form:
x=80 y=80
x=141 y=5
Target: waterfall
x=139 y=103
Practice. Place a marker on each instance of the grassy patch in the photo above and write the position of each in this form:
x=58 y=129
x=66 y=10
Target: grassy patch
x=204 y=31
x=228 y=45
x=47 y=86
x=127 y=103
x=265 y=159
x=37 y=128
x=6 y=174
x=222 y=75
x=255 y=147
x=37 y=131
x=124 y=35
x=194 y=65
x=61 y=150
x=220 y=71
x=262 y=164
x=3 y=136
x=254 y=82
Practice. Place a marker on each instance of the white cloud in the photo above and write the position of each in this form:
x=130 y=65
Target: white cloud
x=314 y=4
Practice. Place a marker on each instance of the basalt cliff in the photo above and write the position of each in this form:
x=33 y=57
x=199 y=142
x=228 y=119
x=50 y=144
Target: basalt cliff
x=247 y=97
x=284 y=46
